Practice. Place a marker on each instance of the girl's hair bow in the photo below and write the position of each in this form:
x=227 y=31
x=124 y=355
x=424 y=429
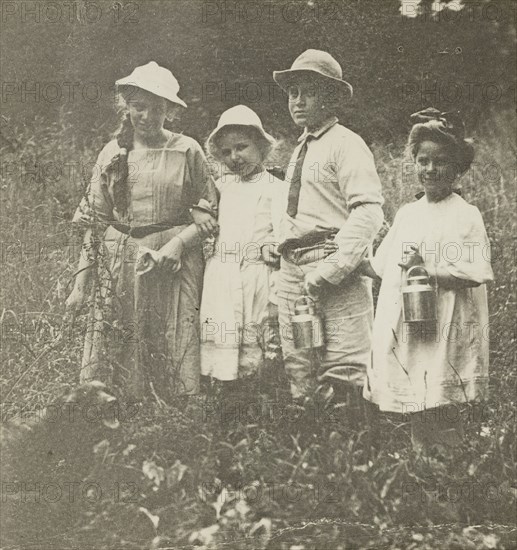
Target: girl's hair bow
x=451 y=121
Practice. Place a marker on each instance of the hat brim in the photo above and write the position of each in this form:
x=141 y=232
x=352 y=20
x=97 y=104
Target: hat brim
x=285 y=78
x=210 y=140
x=268 y=137
x=173 y=98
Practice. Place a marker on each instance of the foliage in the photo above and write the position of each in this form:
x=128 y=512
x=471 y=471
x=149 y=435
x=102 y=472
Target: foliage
x=245 y=468
x=248 y=469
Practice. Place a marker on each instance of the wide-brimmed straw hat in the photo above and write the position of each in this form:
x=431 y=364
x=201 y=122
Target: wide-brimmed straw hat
x=240 y=115
x=314 y=63
x=155 y=79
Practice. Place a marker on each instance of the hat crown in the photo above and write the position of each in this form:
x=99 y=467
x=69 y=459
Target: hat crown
x=152 y=73
x=155 y=79
x=240 y=115
x=320 y=61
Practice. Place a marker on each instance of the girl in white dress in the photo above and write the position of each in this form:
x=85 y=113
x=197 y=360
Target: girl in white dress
x=428 y=370
x=234 y=306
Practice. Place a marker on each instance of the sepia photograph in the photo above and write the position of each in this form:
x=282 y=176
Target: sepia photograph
x=258 y=274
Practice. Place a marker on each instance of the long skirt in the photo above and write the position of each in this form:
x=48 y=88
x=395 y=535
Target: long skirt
x=143 y=330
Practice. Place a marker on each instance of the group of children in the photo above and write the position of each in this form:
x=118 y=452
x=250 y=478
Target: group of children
x=279 y=240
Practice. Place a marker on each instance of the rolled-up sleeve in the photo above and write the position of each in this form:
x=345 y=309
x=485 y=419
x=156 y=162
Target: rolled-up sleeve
x=382 y=255
x=360 y=184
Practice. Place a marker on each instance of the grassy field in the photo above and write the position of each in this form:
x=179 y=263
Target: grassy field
x=248 y=470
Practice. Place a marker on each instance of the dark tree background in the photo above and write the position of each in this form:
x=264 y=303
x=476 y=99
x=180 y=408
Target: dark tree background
x=399 y=55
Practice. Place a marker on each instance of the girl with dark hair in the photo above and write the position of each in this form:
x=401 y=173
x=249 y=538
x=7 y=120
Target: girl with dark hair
x=143 y=327
x=429 y=369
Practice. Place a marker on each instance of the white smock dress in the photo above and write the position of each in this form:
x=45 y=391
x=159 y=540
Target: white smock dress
x=421 y=367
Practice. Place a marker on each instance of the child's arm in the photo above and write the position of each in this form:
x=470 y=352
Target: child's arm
x=170 y=253
x=204 y=194
x=445 y=280
x=438 y=272
x=205 y=219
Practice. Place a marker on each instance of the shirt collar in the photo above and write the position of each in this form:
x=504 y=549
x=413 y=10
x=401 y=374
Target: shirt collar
x=318 y=133
x=421 y=194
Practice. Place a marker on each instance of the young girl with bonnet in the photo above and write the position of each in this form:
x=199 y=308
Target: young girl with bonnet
x=429 y=369
x=234 y=306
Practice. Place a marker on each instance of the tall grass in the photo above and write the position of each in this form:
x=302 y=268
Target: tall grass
x=200 y=471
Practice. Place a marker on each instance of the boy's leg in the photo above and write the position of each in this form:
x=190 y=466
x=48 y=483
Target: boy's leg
x=299 y=364
x=348 y=320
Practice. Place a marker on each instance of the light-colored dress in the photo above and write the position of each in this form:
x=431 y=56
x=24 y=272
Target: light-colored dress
x=235 y=299
x=144 y=329
x=416 y=368
x=279 y=192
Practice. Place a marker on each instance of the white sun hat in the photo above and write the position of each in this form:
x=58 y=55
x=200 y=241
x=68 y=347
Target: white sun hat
x=155 y=79
x=240 y=115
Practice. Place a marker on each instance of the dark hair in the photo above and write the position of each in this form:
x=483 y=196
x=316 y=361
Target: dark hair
x=446 y=129
x=118 y=167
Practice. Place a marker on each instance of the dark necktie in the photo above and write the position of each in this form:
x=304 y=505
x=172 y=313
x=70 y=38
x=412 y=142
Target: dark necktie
x=296 y=181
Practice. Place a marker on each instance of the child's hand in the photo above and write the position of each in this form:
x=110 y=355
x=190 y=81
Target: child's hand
x=412 y=259
x=270 y=255
x=206 y=224
x=170 y=255
x=146 y=261
x=313 y=284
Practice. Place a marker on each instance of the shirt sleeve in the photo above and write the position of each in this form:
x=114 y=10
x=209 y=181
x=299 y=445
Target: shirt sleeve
x=203 y=186
x=386 y=248
x=361 y=187
x=356 y=173
x=469 y=258
x=96 y=207
x=354 y=240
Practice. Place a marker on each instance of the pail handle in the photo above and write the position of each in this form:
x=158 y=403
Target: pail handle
x=417 y=267
x=304 y=297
